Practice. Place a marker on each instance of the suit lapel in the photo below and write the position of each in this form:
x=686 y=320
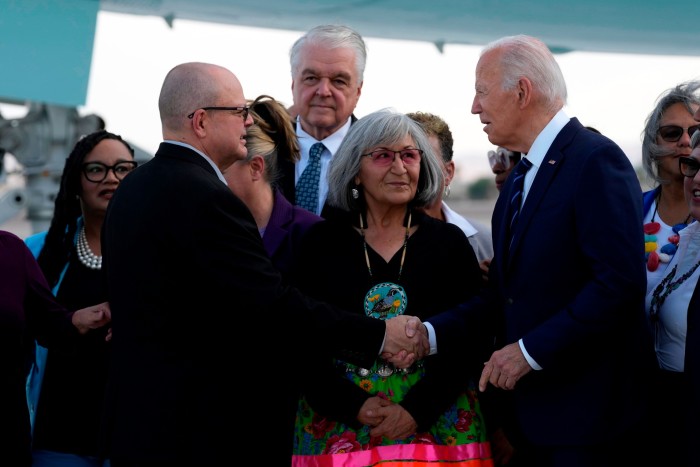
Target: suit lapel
x=543 y=180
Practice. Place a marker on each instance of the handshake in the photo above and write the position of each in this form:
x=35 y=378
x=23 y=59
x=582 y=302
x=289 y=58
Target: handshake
x=405 y=341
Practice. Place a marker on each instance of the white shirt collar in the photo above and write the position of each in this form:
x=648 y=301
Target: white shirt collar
x=540 y=147
x=546 y=137
x=332 y=142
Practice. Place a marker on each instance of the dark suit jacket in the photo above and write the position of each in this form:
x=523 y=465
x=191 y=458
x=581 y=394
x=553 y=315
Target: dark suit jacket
x=189 y=280
x=572 y=287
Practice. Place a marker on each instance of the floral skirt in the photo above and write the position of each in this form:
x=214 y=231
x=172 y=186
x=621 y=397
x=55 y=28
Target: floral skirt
x=458 y=437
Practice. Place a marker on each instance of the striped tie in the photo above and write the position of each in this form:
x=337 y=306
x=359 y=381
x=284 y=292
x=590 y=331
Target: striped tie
x=307 y=186
x=516 y=198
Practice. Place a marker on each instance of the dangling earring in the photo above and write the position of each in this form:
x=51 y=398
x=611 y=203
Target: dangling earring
x=446 y=192
x=355 y=193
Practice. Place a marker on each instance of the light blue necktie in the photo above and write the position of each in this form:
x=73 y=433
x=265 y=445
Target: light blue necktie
x=516 y=198
x=308 y=184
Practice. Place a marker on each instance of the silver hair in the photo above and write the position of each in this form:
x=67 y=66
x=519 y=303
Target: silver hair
x=332 y=36
x=527 y=56
x=381 y=128
x=686 y=93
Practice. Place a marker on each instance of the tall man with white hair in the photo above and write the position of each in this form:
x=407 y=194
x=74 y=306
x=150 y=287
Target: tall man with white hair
x=567 y=284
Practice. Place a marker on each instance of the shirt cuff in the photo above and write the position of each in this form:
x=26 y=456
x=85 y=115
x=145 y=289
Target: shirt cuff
x=431 y=337
x=529 y=359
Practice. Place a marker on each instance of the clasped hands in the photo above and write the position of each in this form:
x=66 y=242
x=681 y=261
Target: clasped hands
x=406 y=341
x=386 y=418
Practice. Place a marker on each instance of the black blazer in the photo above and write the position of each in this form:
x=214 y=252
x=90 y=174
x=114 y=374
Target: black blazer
x=200 y=313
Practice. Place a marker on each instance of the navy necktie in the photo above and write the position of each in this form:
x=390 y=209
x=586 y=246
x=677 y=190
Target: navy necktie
x=516 y=190
x=308 y=184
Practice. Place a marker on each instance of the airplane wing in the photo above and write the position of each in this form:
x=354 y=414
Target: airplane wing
x=46 y=46
x=46 y=52
x=642 y=26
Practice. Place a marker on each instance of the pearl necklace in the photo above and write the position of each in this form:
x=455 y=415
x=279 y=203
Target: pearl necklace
x=85 y=254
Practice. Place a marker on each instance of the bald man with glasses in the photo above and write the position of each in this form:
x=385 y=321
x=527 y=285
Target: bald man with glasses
x=188 y=279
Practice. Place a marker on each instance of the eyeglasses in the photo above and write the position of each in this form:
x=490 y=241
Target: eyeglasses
x=386 y=157
x=501 y=156
x=689 y=166
x=242 y=111
x=672 y=133
x=97 y=171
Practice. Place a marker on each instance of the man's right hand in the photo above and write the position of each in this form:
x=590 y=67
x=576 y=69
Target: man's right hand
x=406 y=340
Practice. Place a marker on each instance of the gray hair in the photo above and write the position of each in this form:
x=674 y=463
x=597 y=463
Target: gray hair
x=332 y=36
x=381 y=128
x=527 y=56
x=187 y=87
x=685 y=93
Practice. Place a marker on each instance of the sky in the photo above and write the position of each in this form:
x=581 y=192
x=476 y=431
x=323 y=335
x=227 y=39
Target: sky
x=132 y=54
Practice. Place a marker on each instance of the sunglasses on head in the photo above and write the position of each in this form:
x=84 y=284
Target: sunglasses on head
x=689 y=166
x=672 y=133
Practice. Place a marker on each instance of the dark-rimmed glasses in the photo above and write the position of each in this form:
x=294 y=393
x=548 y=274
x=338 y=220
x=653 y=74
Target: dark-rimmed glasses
x=242 y=111
x=672 y=133
x=386 y=157
x=689 y=166
x=97 y=171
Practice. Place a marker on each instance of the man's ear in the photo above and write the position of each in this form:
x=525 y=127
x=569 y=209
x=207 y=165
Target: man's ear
x=524 y=89
x=198 y=121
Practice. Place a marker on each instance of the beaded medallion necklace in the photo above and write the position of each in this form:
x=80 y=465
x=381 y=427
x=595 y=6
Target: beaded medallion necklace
x=388 y=299
x=384 y=301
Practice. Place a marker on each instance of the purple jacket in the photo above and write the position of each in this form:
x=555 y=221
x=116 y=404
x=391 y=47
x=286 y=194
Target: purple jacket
x=284 y=231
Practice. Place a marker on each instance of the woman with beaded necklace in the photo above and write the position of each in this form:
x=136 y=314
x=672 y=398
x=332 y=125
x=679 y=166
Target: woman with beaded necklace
x=666 y=137
x=65 y=390
x=673 y=309
x=379 y=249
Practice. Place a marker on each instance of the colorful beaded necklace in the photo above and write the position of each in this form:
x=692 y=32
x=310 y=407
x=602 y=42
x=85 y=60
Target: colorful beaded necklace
x=654 y=256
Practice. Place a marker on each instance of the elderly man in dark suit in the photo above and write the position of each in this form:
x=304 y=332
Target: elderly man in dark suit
x=188 y=277
x=328 y=65
x=567 y=282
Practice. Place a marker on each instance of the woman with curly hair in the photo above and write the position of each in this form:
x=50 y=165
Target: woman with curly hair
x=65 y=389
